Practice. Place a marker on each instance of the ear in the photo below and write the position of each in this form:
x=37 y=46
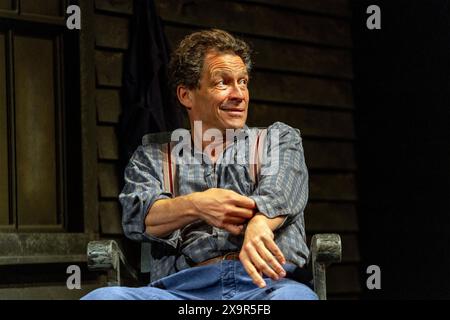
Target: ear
x=185 y=96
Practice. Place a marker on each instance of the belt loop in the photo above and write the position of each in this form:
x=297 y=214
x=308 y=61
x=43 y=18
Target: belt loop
x=228 y=254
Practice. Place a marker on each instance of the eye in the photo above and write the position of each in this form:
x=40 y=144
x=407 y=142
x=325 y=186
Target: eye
x=243 y=81
x=220 y=83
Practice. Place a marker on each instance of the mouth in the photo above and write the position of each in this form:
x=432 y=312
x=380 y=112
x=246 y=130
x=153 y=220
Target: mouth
x=234 y=111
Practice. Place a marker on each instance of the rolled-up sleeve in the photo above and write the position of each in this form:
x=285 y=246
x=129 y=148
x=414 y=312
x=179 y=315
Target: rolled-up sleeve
x=282 y=189
x=143 y=176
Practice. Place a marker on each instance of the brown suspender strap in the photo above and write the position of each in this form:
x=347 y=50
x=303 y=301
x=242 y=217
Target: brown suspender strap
x=255 y=165
x=165 y=160
x=169 y=169
x=169 y=160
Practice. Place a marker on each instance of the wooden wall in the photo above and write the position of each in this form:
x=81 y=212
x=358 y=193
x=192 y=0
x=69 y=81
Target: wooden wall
x=303 y=76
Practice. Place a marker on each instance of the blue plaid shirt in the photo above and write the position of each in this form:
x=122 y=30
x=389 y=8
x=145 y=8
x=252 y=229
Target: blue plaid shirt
x=284 y=192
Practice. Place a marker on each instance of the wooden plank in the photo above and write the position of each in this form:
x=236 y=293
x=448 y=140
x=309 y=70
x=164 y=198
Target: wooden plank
x=107 y=144
x=286 y=56
x=327 y=217
x=47 y=292
x=37 y=247
x=117 y=6
x=111 y=32
x=110 y=218
x=340 y=187
x=4 y=189
x=108 y=105
x=282 y=56
x=175 y=34
x=47 y=7
x=247 y=18
x=343 y=278
x=42 y=259
x=312 y=123
x=88 y=118
x=329 y=155
x=278 y=87
x=108 y=178
x=339 y=8
x=37 y=193
x=109 y=67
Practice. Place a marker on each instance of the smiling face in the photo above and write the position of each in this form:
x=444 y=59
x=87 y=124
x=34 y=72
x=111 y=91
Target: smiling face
x=221 y=101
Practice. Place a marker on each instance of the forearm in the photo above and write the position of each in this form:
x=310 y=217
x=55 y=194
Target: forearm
x=221 y=208
x=168 y=215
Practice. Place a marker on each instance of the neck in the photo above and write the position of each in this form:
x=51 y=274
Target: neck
x=211 y=141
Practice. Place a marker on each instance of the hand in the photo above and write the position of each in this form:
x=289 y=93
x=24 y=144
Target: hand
x=223 y=208
x=259 y=253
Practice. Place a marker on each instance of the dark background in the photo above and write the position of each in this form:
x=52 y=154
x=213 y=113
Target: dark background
x=402 y=118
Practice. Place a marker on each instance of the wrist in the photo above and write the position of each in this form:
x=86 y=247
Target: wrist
x=260 y=217
x=190 y=201
x=272 y=223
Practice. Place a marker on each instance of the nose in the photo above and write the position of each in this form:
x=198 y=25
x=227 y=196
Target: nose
x=237 y=92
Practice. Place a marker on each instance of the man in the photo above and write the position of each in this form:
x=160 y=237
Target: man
x=222 y=235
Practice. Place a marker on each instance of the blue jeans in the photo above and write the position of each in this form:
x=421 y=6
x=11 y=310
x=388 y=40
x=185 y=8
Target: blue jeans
x=226 y=280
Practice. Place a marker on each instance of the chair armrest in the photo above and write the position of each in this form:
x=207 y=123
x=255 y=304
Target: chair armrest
x=325 y=249
x=107 y=255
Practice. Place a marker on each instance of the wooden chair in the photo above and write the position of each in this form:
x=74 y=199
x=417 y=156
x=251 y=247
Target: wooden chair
x=106 y=255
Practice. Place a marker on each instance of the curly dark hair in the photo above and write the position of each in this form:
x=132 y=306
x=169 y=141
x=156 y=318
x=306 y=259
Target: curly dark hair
x=186 y=61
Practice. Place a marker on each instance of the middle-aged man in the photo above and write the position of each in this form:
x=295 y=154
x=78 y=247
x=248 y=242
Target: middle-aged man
x=217 y=233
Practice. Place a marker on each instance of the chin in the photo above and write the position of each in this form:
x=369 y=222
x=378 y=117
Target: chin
x=236 y=124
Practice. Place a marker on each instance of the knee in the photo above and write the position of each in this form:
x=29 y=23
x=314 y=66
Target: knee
x=107 y=293
x=294 y=292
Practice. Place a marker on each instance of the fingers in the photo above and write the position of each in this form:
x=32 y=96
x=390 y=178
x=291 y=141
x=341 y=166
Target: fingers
x=260 y=264
x=276 y=270
x=242 y=212
x=272 y=246
x=243 y=201
x=258 y=260
x=234 y=229
x=234 y=220
x=251 y=270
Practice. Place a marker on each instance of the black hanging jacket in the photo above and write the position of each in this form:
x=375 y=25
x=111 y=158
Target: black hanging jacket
x=146 y=103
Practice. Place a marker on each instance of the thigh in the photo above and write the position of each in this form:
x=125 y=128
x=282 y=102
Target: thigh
x=127 y=293
x=284 y=289
x=196 y=283
x=292 y=290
